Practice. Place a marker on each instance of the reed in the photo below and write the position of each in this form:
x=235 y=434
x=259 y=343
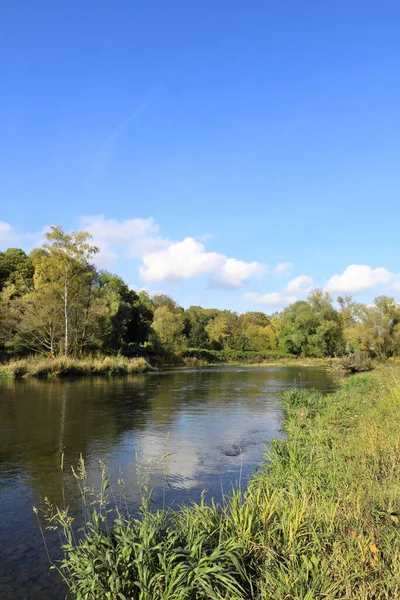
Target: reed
x=74 y=367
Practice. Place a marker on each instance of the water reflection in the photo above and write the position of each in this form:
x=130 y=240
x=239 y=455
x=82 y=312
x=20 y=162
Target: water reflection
x=213 y=421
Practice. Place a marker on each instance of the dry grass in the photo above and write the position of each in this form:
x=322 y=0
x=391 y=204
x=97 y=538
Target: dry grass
x=72 y=367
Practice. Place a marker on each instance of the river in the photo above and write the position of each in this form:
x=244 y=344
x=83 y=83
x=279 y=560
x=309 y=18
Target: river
x=214 y=423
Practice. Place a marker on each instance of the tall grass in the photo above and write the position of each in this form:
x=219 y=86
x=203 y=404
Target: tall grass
x=72 y=367
x=320 y=518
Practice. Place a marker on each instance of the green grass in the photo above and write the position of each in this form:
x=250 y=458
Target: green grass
x=294 y=362
x=258 y=360
x=319 y=520
x=72 y=367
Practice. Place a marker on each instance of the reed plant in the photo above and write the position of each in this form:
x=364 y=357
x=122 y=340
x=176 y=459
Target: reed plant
x=64 y=366
x=319 y=519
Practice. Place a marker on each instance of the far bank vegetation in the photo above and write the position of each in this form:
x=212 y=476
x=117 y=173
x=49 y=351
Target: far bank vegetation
x=56 y=306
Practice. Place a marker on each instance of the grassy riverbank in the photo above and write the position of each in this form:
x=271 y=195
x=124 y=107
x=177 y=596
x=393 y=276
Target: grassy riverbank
x=73 y=367
x=293 y=362
x=320 y=518
x=260 y=361
x=62 y=366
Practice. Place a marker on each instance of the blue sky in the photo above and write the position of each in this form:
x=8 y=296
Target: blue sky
x=204 y=143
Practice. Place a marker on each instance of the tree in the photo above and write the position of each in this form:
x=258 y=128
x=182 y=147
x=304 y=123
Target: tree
x=40 y=328
x=351 y=313
x=258 y=329
x=128 y=320
x=16 y=272
x=257 y=318
x=65 y=272
x=196 y=320
x=159 y=300
x=312 y=327
x=217 y=331
x=146 y=301
x=198 y=336
x=380 y=330
x=10 y=317
x=168 y=325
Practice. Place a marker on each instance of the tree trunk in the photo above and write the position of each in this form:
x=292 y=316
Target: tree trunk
x=66 y=308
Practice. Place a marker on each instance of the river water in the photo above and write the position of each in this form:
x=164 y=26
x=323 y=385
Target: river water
x=214 y=423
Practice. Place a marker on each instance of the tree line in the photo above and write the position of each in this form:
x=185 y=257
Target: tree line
x=55 y=302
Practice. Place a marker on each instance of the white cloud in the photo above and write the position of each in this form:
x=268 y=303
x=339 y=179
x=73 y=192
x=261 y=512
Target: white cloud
x=299 y=284
x=180 y=260
x=105 y=258
x=283 y=268
x=189 y=258
x=130 y=236
x=359 y=278
x=113 y=231
x=164 y=259
x=7 y=233
x=272 y=299
x=147 y=245
x=235 y=272
x=395 y=285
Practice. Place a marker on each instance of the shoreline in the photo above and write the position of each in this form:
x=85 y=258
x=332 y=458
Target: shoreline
x=114 y=366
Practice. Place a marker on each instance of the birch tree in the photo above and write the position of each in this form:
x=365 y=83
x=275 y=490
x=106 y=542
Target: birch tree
x=65 y=273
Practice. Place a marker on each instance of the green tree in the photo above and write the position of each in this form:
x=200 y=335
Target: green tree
x=198 y=336
x=258 y=329
x=168 y=325
x=380 y=331
x=16 y=272
x=159 y=300
x=351 y=313
x=217 y=331
x=127 y=324
x=312 y=327
x=196 y=320
x=146 y=301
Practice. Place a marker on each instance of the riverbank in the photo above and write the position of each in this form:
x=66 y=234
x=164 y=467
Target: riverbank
x=62 y=366
x=338 y=366
x=258 y=361
x=292 y=362
x=74 y=367
x=320 y=518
